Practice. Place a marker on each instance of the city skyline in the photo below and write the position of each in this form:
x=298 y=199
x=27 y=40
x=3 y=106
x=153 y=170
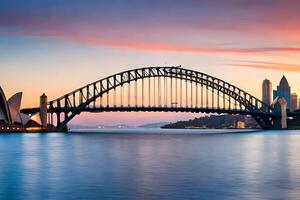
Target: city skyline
x=54 y=47
x=283 y=89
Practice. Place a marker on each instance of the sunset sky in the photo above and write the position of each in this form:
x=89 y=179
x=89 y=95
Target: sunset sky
x=56 y=46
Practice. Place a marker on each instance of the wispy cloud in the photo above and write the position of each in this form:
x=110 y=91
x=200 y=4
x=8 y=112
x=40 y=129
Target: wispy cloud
x=187 y=49
x=158 y=47
x=268 y=66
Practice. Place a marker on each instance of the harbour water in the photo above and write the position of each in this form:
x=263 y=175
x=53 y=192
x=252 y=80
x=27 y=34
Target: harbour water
x=151 y=164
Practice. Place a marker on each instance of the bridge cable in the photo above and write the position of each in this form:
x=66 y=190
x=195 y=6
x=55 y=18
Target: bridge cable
x=159 y=91
x=143 y=92
x=165 y=91
x=181 y=91
x=186 y=92
x=171 y=90
x=129 y=94
x=154 y=92
x=213 y=95
x=218 y=96
x=135 y=93
x=196 y=94
x=229 y=103
x=207 y=91
x=122 y=88
x=176 y=90
x=115 y=97
x=202 y=94
x=191 y=93
x=149 y=90
x=224 y=106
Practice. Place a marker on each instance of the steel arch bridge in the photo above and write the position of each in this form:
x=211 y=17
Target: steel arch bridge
x=159 y=89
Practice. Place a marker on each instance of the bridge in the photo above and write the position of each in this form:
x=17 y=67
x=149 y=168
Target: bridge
x=159 y=89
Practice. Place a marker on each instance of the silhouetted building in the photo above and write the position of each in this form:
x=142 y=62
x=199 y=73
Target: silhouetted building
x=294 y=102
x=267 y=91
x=283 y=90
x=216 y=121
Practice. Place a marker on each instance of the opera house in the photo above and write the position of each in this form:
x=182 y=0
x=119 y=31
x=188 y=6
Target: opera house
x=11 y=119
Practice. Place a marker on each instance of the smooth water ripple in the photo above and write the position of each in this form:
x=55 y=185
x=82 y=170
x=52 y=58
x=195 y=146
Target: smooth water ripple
x=151 y=164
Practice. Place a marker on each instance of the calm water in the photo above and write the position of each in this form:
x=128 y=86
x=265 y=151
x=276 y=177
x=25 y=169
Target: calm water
x=151 y=164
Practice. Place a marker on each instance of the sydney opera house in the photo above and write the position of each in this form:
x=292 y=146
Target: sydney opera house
x=11 y=119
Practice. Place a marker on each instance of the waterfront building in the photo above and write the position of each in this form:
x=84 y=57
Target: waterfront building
x=294 y=102
x=283 y=90
x=10 y=110
x=10 y=115
x=240 y=125
x=267 y=91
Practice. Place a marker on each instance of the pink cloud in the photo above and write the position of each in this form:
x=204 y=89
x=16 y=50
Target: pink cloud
x=268 y=66
x=157 y=47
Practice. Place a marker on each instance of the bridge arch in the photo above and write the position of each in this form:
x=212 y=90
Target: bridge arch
x=167 y=84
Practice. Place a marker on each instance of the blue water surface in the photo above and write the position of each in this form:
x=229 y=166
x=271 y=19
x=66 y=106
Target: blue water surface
x=151 y=164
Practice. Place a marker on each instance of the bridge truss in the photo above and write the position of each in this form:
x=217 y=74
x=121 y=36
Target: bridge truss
x=159 y=89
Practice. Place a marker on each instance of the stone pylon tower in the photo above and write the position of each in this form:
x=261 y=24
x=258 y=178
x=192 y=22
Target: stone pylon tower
x=280 y=105
x=43 y=109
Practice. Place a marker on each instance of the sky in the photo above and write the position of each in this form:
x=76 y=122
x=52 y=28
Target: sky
x=56 y=46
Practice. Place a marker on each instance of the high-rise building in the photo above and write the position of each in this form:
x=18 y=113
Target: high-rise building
x=283 y=90
x=266 y=91
x=294 y=102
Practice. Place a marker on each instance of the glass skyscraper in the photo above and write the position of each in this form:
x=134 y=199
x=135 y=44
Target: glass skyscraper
x=283 y=90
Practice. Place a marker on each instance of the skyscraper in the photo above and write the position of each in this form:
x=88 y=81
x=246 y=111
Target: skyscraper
x=266 y=91
x=283 y=90
x=294 y=102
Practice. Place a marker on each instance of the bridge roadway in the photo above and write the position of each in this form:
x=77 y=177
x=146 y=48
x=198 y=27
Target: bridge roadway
x=158 y=109
x=162 y=109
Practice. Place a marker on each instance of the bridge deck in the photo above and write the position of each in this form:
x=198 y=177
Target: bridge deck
x=159 y=109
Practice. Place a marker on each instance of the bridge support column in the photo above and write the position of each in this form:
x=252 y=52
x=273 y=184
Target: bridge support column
x=280 y=109
x=58 y=119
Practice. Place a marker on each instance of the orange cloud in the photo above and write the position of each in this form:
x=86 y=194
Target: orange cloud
x=159 y=47
x=190 y=49
x=268 y=66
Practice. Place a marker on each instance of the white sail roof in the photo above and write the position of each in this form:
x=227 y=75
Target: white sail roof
x=36 y=118
x=14 y=104
x=24 y=118
x=4 y=109
x=2 y=115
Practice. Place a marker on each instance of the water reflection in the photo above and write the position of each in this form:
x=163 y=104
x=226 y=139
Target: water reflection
x=131 y=165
